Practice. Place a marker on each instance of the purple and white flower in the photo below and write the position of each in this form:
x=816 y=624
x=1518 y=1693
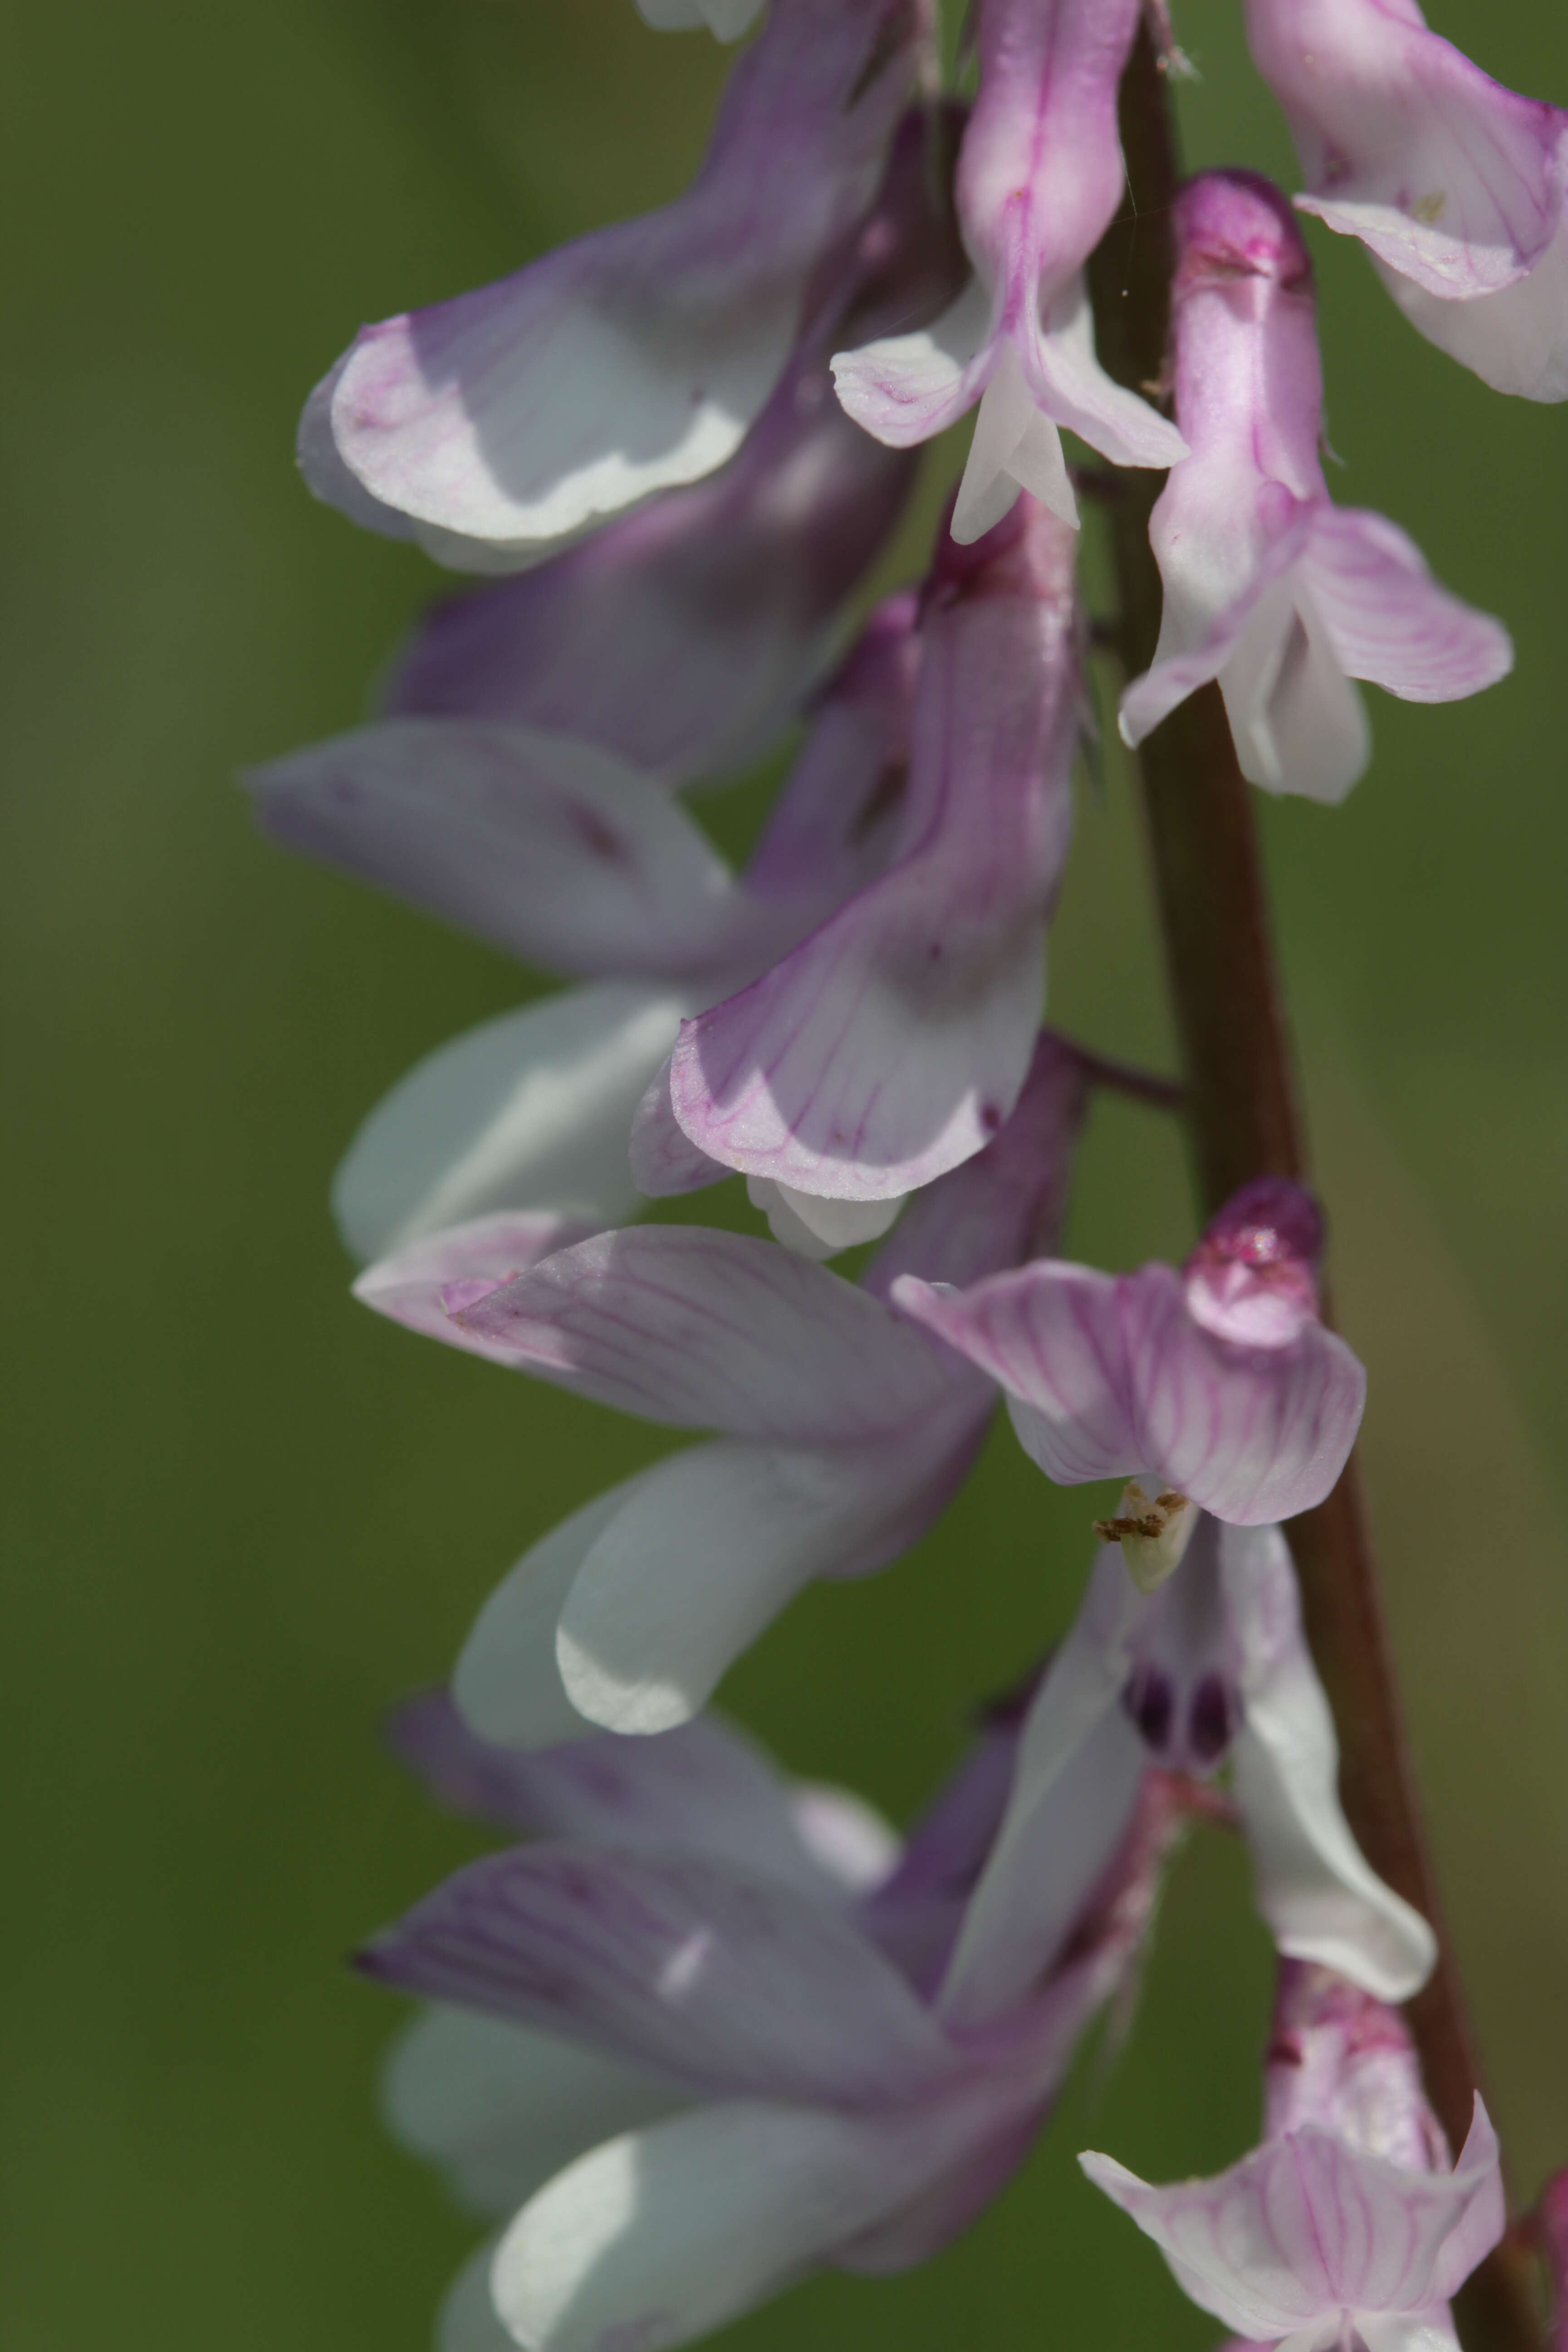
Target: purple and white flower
x=1211 y=1671
x=1040 y=176
x=551 y=848
x=777 y=2085
x=1457 y=187
x=1349 y=2225
x=844 y=1431
x=891 y=1044
x=1269 y=587
x=1216 y=1389
x=498 y=427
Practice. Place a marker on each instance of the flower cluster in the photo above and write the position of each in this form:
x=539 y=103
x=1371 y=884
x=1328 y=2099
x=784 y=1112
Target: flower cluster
x=706 y=2029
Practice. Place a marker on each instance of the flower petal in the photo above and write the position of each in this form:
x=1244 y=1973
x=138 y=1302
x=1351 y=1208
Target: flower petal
x=1258 y=615
x=506 y=1683
x=1069 y=384
x=1516 y=340
x=635 y=359
x=547 y=847
x=501 y=2109
x=726 y=1979
x=904 y=389
x=1387 y=618
x=725 y=19
x=418 y=1285
x=468 y=2320
x=716 y=1541
x=699 y=1329
x=666 y=2234
x=531 y=1110
x=1320 y=1898
x=1253 y=1435
x=1050 y=1334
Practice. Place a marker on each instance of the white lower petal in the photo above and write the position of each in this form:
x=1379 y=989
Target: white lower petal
x=1014 y=448
x=530 y=1112
x=502 y=2109
x=816 y=1225
x=1515 y=339
x=1068 y=385
x=1299 y=723
x=905 y=388
x=506 y=1685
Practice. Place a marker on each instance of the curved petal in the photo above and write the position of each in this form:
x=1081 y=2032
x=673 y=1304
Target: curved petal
x=1069 y=382
x=547 y=847
x=1516 y=340
x=419 y=1287
x=501 y=2109
x=531 y=1110
x=1050 y=1334
x=635 y=359
x=666 y=2234
x=1259 y=614
x=1014 y=448
x=715 y=1542
x=326 y=476
x=1321 y=1899
x=1387 y=618
x=710 y=1330
x=1485 y=2215
x=723 y=1977
x=904 y=389
x=893 y=1042
x=664 y=1163
x=1252 y=1433
x=1298 y=723
x=506 y=1685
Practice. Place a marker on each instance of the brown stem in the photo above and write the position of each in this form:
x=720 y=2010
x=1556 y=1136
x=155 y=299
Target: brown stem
x=1246 y=1121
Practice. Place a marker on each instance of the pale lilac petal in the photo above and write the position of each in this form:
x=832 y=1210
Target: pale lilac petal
x=531 y=1110
x=417 y=1286
x=714 y=1542
x=1516 y=340
x=1484 y=2216
x=729 y=1980
x=820 y=1227
x=1389 y=621
x=1051 y=1336
x=328 y=478
x=1070 y=386
x=546 y=847
x=1320 y=1898
x=892 y=1043
x=956 y=2197
x=664 y=1163
x=1262 y=610
x=1014 y=448
x=1342 y=2058
x=664 y=2235
x=506 y=1685
x=635 y=359
x=1253 y=1435
x=699 y=1329
x=705 y=1788
x=1298 y=723
x=502 y=2109
x=903 y=389
x=916 y=1914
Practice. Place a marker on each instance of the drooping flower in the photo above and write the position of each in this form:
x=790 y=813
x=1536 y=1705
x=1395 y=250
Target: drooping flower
x=500 y=425
x=1040 y=176
x=827 y=2109
x=1347 y=2226
x=891 y=1045
x=685 y=636
x=1269 y=587
x=1217 y=1387
x=844 y=1432
x=1212 y=1670
x=1457 y=187
x=556 y=850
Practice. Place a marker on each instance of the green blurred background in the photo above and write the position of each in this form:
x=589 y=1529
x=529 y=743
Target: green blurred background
x=241 y=1515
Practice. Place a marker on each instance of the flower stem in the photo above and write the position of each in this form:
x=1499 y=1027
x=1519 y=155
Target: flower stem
x=1246 y=1121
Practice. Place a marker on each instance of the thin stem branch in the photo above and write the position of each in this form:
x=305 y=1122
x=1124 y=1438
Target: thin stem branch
x=1246 y=1121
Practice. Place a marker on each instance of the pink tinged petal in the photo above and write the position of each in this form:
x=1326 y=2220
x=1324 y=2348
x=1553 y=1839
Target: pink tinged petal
x=1251 y=1433
x=529 y=1111
x=699 y=1329
x=905 y=389
x=664 y=2235
x=635 y=359
x=1242 y=643
x=1051 y=1336
x=727 y=1980
x=418 y=1285
x=894 y=1041
x=547 y=847
x=1515 y=340
x=1386 y=618
x=1014 y=448
x=1340 y=2057
x=1070 y=386
x=1299 y=724
x=705 y=1789
x=507 y=1683
x=1320 y=1898
x=1448 y=178
x=501 y=2109
x=1484 y=2216
x=664 y=1163
x=328 y=478
x=714 y=1542
x=1253 y=1277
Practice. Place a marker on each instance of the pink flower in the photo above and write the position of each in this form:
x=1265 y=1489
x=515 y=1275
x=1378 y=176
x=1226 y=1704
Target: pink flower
x=501 y=424
x=685 y=2035
x=1039 y=179
x=1346 y=2225
x=1282 y=596
x=842 y=1432
x=1457 y=188
x=1215 y=1387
